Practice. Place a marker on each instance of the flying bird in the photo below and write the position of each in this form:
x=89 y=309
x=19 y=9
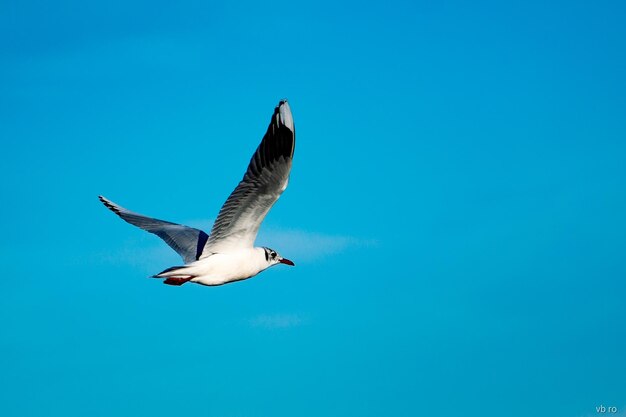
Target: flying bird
x=228 y=253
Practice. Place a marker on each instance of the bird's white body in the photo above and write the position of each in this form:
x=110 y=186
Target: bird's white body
x=222 y=268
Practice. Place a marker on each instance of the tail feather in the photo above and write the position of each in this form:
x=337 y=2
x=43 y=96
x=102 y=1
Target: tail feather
x=176 y=275
x=169 y=272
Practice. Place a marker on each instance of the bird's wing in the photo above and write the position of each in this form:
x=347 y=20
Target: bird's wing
x=266 y=178
x=187 y=241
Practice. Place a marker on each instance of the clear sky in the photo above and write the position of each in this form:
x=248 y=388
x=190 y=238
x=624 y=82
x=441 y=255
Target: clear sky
x=456 y=209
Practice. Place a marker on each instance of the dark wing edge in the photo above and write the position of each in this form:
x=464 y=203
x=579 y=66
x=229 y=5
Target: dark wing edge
x=279 y=140
x=188 y=242
x=264 y=181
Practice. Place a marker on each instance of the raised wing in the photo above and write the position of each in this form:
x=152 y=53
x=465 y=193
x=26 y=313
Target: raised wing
x=186 y=241
x=266 y=178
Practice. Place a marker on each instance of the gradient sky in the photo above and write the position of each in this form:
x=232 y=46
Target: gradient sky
x=456 y=208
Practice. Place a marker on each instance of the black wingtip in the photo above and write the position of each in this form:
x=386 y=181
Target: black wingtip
x=109 y=204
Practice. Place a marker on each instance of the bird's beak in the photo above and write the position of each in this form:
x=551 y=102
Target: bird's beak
x=286 y=262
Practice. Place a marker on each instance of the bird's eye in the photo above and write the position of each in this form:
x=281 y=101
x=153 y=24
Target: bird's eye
x=273 y=254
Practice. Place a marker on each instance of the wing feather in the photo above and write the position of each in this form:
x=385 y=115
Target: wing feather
x=188 y=242
x=266 y=178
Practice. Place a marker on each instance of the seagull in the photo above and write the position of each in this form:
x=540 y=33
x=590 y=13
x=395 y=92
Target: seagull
x=228 y=253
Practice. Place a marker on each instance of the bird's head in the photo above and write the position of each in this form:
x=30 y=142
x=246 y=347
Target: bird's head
x=272 y=257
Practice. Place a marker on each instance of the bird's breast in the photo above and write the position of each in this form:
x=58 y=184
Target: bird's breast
x=229 y=266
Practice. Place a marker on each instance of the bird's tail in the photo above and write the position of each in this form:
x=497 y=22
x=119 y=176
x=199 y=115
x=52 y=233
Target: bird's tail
x=176 y=275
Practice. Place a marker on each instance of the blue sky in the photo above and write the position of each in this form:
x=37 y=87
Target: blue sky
x=455 y=211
